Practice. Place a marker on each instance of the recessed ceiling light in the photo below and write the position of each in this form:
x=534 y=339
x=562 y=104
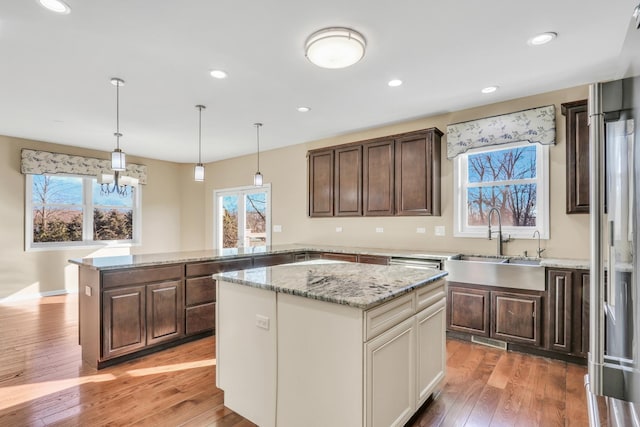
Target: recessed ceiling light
x=542 y=38
x=218 y=74
x=395 y=82
x=489 y=89
x=304 y=109
x=57 y=6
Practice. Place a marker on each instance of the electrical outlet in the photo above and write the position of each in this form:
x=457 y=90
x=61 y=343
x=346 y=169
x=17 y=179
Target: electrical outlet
x=439 y=230
x=379 y=229
x=421 y=230
x=262 y=322
x=338 y=229
x=277 y=229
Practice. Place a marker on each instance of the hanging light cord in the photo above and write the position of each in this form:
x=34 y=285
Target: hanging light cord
x=200 y=107
x=118 y=134
x=257 y=125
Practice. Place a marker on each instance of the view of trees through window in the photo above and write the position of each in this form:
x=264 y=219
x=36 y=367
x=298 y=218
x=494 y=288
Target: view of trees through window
x=58 y=211
x=505 y=179
x=254 y=234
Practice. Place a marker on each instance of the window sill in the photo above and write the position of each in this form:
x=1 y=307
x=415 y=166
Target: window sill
x=81 y=246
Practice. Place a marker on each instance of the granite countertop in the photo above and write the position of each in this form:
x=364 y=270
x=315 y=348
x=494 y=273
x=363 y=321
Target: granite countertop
x=358 y=285
x=577 y=264
x=146 y=260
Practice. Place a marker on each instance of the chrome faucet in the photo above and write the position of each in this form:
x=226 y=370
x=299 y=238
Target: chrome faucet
x=499 y=247
x=539 y=250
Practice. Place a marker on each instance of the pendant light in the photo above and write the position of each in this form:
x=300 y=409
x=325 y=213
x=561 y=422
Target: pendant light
x=118 y=158
x=257 y=178
x=199 y=170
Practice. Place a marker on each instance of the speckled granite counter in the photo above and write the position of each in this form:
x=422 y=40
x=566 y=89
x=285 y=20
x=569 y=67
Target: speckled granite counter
x=578 y=264
x=146 y=260
x=357 y=285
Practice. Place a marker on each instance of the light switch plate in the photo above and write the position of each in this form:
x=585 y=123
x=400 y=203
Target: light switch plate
x=277 y=228
x=338 y=229
x=262 y=322
x=439 y=230
x=87 y=290
x=379 y=229
x=421 y=230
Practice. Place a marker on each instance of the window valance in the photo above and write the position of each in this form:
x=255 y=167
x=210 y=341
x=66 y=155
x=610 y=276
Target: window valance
x=43 y=162
x=534 y=125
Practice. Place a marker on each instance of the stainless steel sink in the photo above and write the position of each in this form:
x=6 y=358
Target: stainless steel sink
x=494 y=271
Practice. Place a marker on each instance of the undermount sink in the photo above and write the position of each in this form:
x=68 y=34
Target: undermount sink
x=494 y=271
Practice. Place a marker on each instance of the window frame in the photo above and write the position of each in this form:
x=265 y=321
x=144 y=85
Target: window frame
x=460 y=181
x=87 y=219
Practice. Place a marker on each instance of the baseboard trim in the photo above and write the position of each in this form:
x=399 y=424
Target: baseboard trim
x=31 y=296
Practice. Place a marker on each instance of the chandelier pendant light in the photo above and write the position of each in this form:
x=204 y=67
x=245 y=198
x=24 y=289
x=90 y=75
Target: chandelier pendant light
x=118 y=158
x=198 y=174
x=335 y=47
x=257 y=178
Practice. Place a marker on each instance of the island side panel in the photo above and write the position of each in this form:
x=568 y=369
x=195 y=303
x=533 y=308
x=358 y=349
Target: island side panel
x=320 y=356
x=246 y=351
x=89 y=310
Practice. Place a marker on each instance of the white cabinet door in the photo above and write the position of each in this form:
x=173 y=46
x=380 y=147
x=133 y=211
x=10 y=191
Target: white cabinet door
x=390 y=376
x=431 y=357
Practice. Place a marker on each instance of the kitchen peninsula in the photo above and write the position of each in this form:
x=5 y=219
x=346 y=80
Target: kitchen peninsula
x=132 y=305
x=321 y=343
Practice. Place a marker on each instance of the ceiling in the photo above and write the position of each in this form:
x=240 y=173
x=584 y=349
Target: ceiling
x=55 y=69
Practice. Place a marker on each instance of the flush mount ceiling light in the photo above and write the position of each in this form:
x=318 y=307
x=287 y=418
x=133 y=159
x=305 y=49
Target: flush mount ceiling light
x=335 y=47
x=542 y=38
x=198 y=174
x=489 y=89
x=57 y=6
x=395 y=82
x=218 y=74
x=257 y=178
x=304 y=109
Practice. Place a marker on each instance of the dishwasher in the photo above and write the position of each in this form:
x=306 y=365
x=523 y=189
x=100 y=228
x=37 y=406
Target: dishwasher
x=416 y=263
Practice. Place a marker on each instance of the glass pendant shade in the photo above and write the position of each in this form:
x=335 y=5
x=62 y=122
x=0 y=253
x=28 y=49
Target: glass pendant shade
x=199 y=172
x=257 y=179
x=118 y=160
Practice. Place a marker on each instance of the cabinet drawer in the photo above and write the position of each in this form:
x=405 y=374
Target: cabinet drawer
x=340 y=257
x=373 y=259
x=205 y=268
x=136 y=276
x=381 y=318
x=269 y=260
x=200 y=290
x=200 y=318
x=430 y=294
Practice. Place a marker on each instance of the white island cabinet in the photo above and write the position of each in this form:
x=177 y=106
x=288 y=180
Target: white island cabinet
x=330 y=344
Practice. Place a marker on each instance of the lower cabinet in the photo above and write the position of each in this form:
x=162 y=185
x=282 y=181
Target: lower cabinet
x=165 y=314
x=511 y=316
x=124 y=321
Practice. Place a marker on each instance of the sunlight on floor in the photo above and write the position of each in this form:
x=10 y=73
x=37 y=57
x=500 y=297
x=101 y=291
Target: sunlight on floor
x=17 y=394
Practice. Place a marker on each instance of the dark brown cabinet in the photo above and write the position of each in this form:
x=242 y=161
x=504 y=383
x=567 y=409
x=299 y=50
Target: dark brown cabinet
x=577 y=139
x=340 y=257
x=378 y=178
x=395 y=175
x=321 y=183
x=567 y=320
x=348 y=181
x=124 y=325
x=165 y=314
x=516 y=317
x=468 y=310
x=417 y=173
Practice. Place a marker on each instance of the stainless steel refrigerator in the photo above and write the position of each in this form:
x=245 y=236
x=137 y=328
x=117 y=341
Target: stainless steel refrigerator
x=614 y=356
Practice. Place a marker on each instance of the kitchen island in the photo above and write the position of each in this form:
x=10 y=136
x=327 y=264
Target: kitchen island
x=321 y=343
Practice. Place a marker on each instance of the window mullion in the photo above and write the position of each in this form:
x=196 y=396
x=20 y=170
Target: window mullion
x=87 y=210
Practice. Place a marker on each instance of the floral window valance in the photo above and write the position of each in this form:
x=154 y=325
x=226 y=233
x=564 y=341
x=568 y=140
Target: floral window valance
x=534 y=125
x=43 y=162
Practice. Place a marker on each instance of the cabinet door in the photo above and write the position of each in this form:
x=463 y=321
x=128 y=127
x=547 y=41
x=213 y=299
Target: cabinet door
x=276 y=259
x=165 y=311
x=348 y=181
x=390 y=376
x=340 y=257
x=581 y=313
x=468 y=311
x=123 y=326
x=378 y=178
x=373 y=259
x=321 y=183
x=577 y=125
x=516 y=317
x=417 y=173
x=431 y=358
x=559 y=310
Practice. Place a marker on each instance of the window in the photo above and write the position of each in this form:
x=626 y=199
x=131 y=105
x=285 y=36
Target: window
x=512 y=178
x=65 y=211
x=243 y=217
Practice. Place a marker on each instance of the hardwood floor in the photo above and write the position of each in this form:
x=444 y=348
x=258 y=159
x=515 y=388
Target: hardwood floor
x=43 y=382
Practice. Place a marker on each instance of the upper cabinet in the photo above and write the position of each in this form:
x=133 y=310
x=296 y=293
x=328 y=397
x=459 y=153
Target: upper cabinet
x=321 y=183
x=418 y=173
x=576 y=119
x=395 y=175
